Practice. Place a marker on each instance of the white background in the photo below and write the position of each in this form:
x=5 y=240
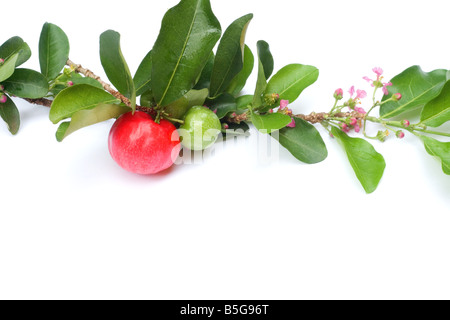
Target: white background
x=74 y=225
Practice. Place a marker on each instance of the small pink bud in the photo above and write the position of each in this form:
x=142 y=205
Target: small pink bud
x=225 y=126
x=360 y=110
x=397 y=96
x=292 y=124
x=2 y=87
x=331 y=135
x=215 y=111
x=400 y=134
x=271 y=111
x=70 y=84
x=2 y=61
x=339 y=94
x=233 y=115
x=357 y=129
x=406 y=123
x=345 y=128
x=353 y=121
x=3 y=98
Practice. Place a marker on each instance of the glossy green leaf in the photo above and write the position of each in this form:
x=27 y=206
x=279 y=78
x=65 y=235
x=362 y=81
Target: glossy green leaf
x=115 y=66
x=222 y=105
x=303 y=142
x=205 y=77
x=238 y=83
x=367 y=163
x=15 y=45
x=266 y=58
x=189 y=32
x=417 y=88
x=269 y=123
x=437 y=111
x=243 y=102
x=26 y=83
x=191 y=99
x=8 y=67
x=142 y=78
x=53 y=50
x=10 y=114
x=440 y=150
x=291 y=80
x=84 y=118
x=76 y=98
x=147 y=99
x=261 y=85
x=230 y=55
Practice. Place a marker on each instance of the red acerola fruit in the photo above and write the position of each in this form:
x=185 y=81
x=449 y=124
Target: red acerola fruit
x=140 y=145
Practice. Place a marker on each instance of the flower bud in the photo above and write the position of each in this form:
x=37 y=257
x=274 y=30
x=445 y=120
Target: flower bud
x=3 y=98
x=406 y=123
x=353 y=121
x=2 y=61
x=397 y=96
x=225 y=126
x=70 y=83
x=339 y=94
x=345 y=127
x=2 y=87
x=400 y=134
x=382 y=135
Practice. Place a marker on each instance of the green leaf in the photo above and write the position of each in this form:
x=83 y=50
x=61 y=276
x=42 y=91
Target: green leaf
x=13 y=46
x=53 y=50
x=77 y=98
x=270 y=122
x=230 y=55
x=84 y=118
x=437 y=111
x=142 y=78
x=417 y=88
x=291 y=80
x=10 y=114
x=238 y=83
x=266 y=58
x=440 y=150
x=191 y=99
x=368 y=164
x=115 y=66
x=189 y=32
x=222 y=105
x=243 y=102
x=261 y=85
x=26 y=83
x=77 y=79
x=147 y=99
x=205 y=78
x=8 y=67
x=303 y=142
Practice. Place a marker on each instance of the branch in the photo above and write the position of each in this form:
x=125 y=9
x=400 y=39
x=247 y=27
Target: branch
x=88 y=73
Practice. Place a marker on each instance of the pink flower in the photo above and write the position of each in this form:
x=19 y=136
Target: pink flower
x=360 y=110
x=3 y=98
x=357 y=128
x=378 y=82
x=378 y=71
x=292 y=124
x=285 y=110
x=353 y=121
x=284 y=104
x=360 y=94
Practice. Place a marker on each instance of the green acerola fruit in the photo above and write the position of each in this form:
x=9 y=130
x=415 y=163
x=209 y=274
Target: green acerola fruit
x=200 y=129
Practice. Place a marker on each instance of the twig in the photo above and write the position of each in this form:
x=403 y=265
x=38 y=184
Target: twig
x=88 y=73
